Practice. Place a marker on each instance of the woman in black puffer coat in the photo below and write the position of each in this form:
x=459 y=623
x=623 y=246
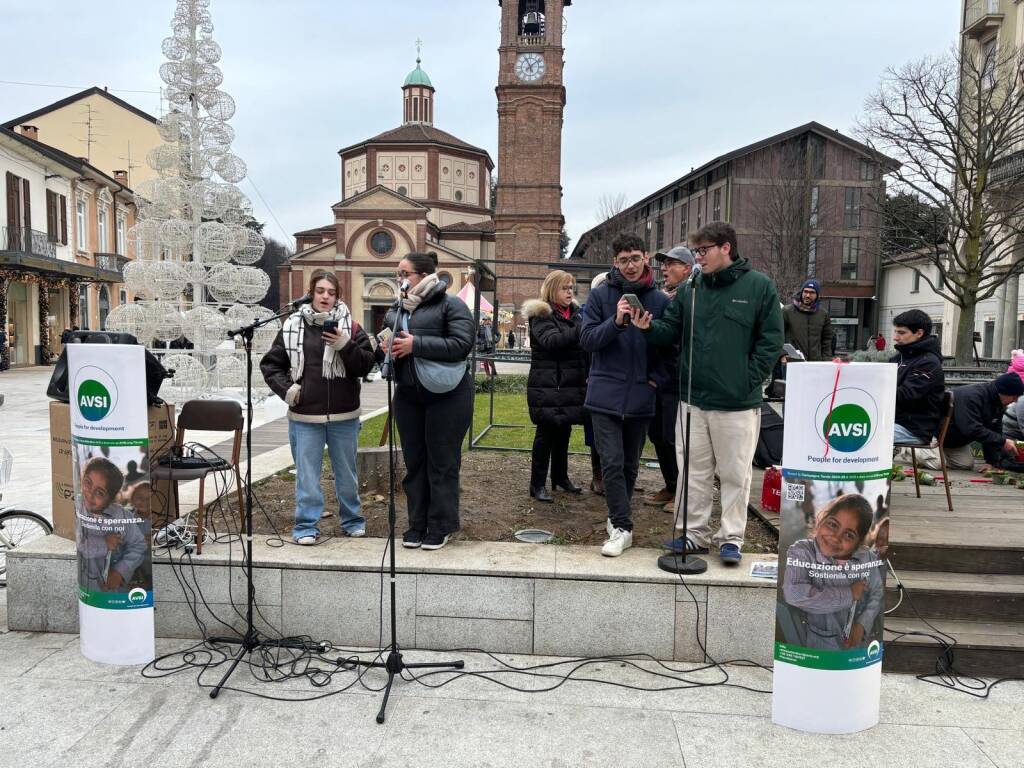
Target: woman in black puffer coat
x=557 y=385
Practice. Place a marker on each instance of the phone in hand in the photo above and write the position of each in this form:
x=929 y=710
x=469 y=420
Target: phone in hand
x=330 y=326
x=633 y=301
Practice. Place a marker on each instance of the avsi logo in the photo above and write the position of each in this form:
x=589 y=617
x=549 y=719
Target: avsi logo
x=93 y=400
x=847 y=428
x=137 y=595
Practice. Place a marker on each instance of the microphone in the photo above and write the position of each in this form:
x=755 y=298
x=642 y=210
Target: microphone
x=307 y=299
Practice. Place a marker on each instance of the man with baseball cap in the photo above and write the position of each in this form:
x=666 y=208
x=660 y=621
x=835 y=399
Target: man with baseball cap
x=676 y=268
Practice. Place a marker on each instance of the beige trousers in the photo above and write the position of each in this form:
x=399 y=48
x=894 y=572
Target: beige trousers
x=721 y=442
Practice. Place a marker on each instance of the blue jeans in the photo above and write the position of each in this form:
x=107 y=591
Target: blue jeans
x=307 y=442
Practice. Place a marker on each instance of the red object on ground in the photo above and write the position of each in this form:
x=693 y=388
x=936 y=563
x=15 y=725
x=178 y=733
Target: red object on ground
x=771 y=490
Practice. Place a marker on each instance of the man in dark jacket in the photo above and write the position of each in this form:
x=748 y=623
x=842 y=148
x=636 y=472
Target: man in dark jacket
x=808 y=326
x=733 y=340
x=977 y=418
x=919 y=379
x=676 y=266
x=624 y=378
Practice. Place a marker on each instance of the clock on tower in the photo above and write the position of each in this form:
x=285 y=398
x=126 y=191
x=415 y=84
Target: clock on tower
x=531 y=97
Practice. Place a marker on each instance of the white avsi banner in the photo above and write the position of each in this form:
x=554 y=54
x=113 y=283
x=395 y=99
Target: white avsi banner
x=834 y=533
x=110 y=459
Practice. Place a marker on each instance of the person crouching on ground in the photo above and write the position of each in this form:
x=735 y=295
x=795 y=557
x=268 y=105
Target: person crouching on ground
x=433 y=401
x=316 y=365
x=557 y=384
x=624 y=378
x=734 y=341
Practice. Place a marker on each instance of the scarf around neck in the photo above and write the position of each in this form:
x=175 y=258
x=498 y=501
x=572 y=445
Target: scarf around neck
x=415 y=295
x=294 y=331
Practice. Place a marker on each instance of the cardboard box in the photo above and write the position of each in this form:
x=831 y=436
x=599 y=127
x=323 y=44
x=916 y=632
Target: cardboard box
x=161 y=431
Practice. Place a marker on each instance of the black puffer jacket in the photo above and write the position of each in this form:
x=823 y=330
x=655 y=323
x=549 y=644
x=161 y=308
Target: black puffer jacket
x=919 y=386
x=557 y=385
x=442 y=328
x=320 y=399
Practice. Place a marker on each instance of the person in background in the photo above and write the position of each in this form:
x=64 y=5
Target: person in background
x=433 y=401
x=316 y=365
x=557 y=384
x=920 y=382
x=625 y=375
x=676 y=266
x=734 y=340
x=977 y=418
x=808 y=326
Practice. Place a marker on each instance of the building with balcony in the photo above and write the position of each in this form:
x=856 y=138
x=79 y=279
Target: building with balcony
x=63 y=243
x=812 y=185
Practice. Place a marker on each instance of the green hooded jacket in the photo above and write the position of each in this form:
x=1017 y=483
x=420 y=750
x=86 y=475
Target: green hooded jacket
x=737 y=336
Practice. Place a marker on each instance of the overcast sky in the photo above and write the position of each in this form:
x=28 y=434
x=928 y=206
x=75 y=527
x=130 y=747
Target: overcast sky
x=654 y=87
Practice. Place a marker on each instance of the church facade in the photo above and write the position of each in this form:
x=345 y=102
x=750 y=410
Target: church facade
x=411 y=188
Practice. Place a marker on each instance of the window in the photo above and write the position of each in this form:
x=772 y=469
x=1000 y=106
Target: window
x=382 y=243
x=101 y=231
x=716 y=206
x=83 y=307
x=867 y=170
x=81 y=238
x=814 y=208
x=851 y=210
x=119 y=236
x=851 y=252
x=916 y=282
x=812 y=256
x=661 y=232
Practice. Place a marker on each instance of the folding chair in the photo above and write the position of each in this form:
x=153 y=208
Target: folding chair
x=209 y=416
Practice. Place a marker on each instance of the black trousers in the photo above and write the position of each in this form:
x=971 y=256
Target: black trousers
x=662 y=432
x=432 y=428
x=550 y=444
x=620 y=443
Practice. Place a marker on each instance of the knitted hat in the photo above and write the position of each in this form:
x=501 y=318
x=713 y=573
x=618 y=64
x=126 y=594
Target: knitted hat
x=1010 y=384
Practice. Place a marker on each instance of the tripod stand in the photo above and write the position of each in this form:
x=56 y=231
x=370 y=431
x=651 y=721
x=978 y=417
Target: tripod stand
x=395 y=664
x=251 y=641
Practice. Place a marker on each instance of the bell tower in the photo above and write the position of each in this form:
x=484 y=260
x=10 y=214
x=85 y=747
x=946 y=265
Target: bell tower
x=531 y=98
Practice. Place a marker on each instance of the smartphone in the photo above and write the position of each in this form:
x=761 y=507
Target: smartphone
x=330 y=326
x=633 y=301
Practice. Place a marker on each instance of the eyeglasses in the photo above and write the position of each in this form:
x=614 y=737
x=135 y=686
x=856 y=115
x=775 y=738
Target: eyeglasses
x=702 y=250
x=629 y=261
x=402 y=274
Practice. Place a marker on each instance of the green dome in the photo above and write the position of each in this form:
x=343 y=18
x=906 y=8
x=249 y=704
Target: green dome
x=417 y=77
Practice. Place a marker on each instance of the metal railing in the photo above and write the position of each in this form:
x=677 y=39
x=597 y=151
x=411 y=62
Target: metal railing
x=24 y=240
x=977 y=9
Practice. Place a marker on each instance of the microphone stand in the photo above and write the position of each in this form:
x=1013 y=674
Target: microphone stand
x=676 y=562
x=251 y=641
x=395 y=664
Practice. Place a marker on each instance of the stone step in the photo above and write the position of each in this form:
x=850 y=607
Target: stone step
x=984 y=649
x=957 y=596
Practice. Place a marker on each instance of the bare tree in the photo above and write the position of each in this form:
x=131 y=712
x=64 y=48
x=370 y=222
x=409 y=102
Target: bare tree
x=956 y=125
x=783 y=214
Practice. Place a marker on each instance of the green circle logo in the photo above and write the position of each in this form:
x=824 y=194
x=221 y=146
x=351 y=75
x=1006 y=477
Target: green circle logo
x=94 y=401
x=848 y=429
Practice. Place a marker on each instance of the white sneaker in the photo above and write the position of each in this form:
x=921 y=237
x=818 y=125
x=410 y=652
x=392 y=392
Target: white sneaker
x=618 y=542
x=306 y=541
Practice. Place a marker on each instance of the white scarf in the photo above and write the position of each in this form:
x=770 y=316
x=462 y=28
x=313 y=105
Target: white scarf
x=415 y=295
x=294 y=330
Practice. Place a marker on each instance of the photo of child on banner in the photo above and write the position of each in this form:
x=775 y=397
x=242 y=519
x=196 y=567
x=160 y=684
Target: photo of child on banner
x=113 y=521
x=835 y=536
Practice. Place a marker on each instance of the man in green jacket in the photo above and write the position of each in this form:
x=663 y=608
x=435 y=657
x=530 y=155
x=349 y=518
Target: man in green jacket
x=728 y=323
x=808 y=326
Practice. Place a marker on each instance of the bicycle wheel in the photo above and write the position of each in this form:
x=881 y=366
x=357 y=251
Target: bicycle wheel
x=18 y=527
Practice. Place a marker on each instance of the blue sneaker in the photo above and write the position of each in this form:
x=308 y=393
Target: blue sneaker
x=729 y=554
x=684 y=545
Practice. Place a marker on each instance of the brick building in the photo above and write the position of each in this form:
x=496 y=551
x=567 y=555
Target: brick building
x=803 y=204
